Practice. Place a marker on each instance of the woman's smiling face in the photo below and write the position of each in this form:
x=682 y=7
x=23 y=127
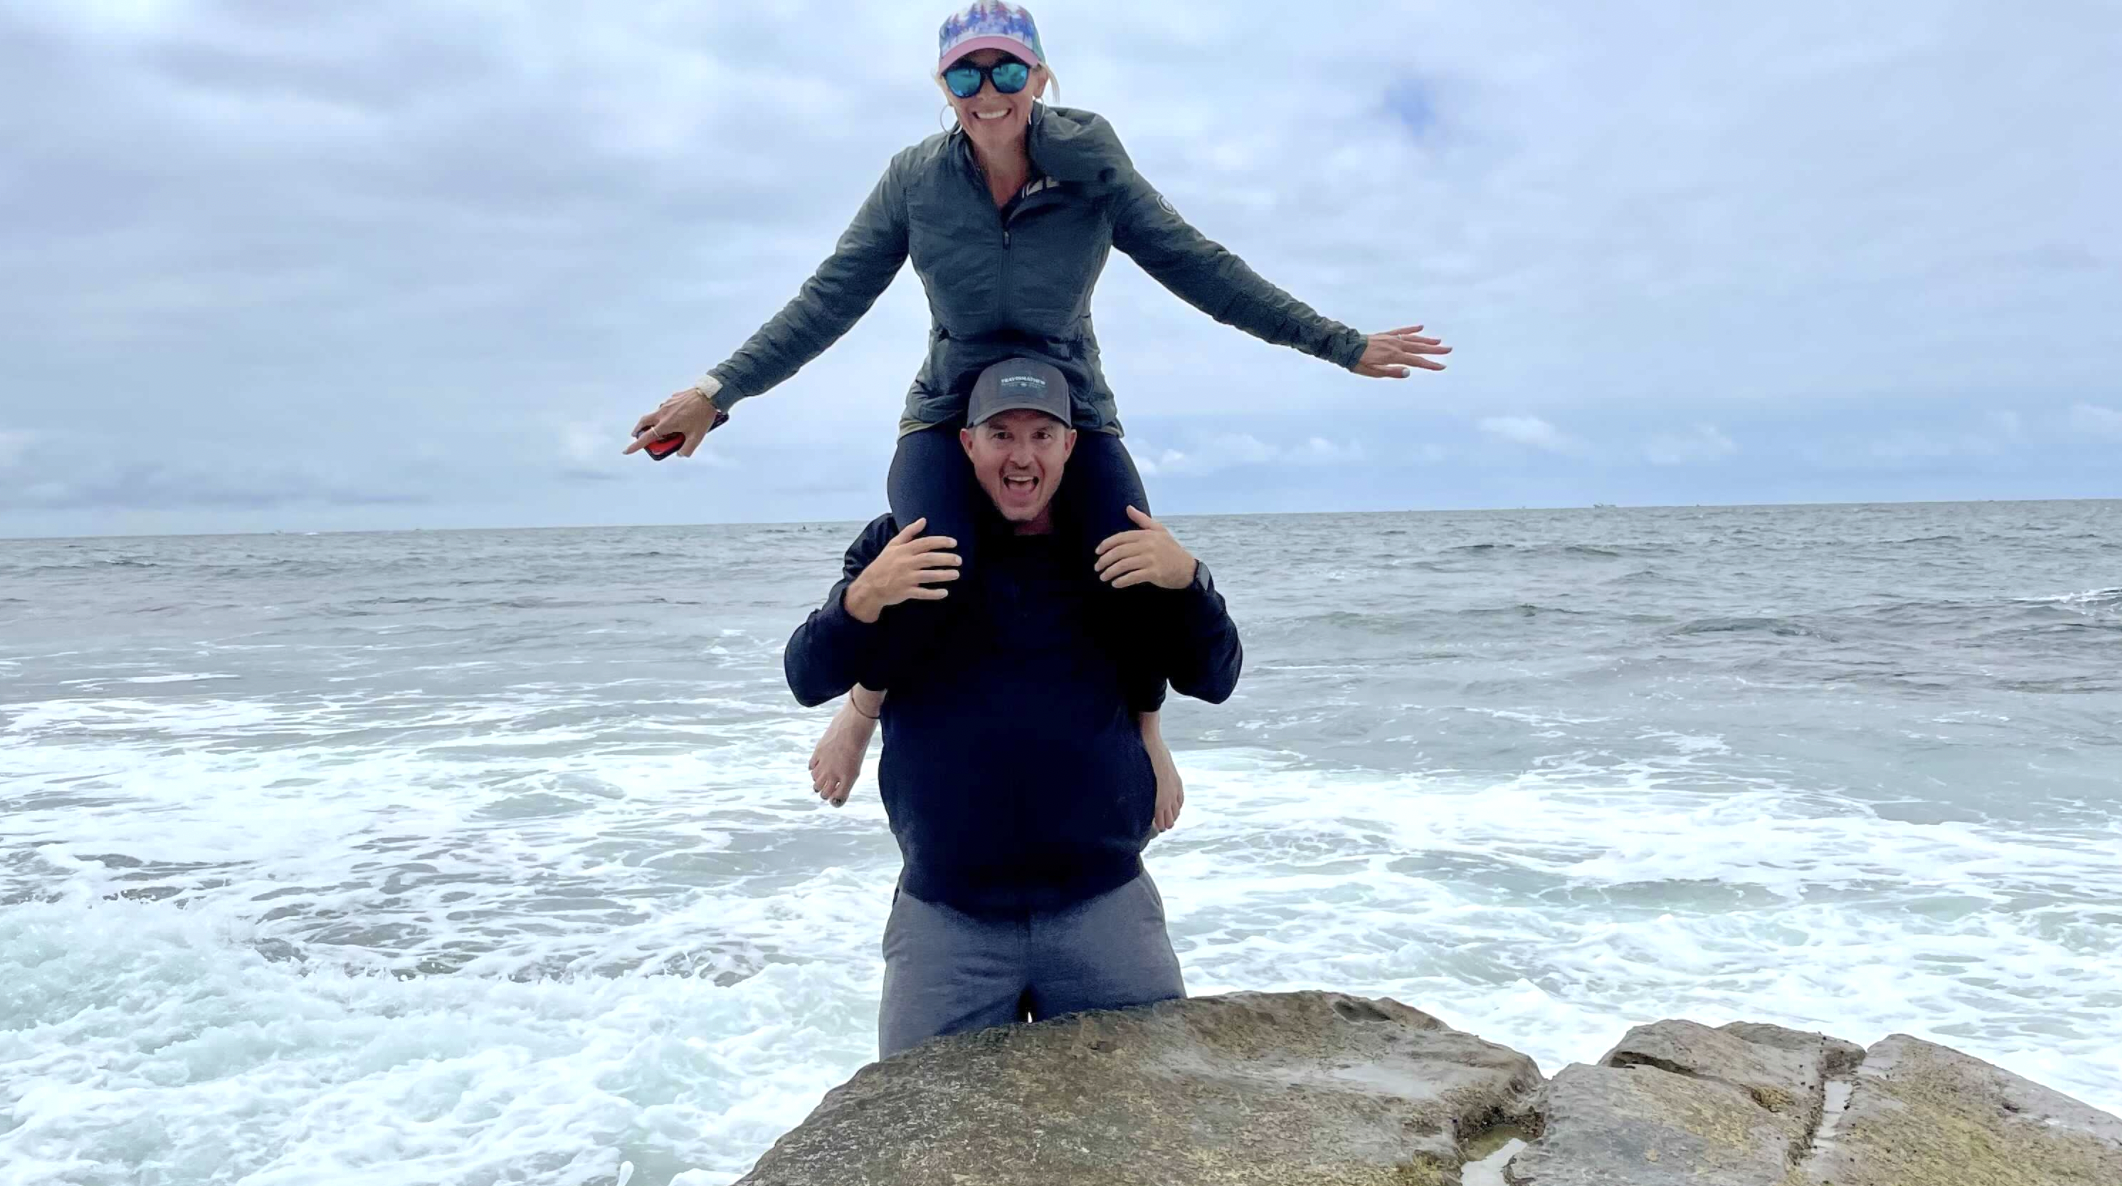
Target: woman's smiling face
x=992 y=119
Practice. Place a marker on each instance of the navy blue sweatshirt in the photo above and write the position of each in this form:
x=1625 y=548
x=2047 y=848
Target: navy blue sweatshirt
x=1014 y=774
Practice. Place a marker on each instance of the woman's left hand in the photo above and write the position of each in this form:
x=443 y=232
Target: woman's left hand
x=1391 y=353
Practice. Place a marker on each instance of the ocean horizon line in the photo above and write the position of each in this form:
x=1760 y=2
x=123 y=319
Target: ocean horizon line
x=835 y=522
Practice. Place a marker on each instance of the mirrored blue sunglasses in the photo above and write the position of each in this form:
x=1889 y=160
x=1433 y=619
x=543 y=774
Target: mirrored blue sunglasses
x=1009 y=76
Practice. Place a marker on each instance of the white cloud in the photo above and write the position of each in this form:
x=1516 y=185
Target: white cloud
x=1530 y=431
x=13 y=445
x=1320 y=451
x=2094 y=420
x=1230 y=450
x=1920 y=444
x=1703 y=444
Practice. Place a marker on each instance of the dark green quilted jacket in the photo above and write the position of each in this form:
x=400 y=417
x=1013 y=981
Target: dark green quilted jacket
x=1000 y=286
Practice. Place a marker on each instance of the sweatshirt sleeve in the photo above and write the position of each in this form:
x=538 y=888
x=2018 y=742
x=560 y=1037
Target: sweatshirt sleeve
x=1207 y=276
x=862 y=265
x=1197 y=646
x=829 y=651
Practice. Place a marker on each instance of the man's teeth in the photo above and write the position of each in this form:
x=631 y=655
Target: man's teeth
x=1020 y=483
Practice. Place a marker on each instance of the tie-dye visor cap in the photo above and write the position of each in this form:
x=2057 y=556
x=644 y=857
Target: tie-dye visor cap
x=989 y=24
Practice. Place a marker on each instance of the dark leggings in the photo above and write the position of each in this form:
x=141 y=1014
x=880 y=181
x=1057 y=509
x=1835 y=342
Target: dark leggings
x=931 y=478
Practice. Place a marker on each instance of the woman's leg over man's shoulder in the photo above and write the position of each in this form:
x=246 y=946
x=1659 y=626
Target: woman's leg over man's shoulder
x=929 y=479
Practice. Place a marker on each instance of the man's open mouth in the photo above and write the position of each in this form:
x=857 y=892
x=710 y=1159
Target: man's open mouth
x=1020 y=485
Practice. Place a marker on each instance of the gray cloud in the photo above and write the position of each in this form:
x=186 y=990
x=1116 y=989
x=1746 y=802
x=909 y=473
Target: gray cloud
x=442 y=248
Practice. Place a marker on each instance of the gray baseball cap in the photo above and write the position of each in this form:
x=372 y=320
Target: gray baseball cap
x=1016 y=384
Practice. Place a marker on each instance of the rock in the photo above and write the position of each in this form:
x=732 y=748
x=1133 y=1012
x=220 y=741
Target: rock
x=1837 y=1057
x=1786 y=1081
x=1282 y=1089
x=1925 y=1115
x=1642 y=1126
x=1322 y=1089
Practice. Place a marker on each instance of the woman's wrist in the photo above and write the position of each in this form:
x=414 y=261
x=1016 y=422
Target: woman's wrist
x=866 y=702
x=859 y=604
x=707 y=388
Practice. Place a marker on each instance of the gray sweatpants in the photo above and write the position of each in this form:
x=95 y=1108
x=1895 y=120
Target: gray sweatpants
x=948 y=972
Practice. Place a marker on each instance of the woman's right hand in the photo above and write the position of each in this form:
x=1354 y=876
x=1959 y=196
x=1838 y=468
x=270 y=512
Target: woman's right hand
x=689 y=411
x=906 y=570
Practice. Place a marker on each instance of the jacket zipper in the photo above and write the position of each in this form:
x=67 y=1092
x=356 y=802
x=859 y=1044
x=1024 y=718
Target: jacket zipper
x=1002 y=290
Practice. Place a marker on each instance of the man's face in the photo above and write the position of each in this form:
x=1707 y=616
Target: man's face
x=1018 y=458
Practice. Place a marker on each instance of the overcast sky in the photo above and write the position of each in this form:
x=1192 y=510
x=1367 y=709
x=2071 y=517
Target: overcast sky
x=380 y=265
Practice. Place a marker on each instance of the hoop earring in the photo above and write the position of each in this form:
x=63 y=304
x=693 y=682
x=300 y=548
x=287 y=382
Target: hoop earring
x=946 y=111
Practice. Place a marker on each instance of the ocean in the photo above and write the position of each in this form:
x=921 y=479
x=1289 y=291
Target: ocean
x=490 y=856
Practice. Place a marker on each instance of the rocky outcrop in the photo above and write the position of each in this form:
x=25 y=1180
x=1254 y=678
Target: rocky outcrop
x=1287 y=1089
x=1760 y=1105
x=1677 y=1102
x=1920 y=1113
x=1323 y=1089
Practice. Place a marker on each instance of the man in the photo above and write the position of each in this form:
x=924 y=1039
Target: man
x=1014 y=774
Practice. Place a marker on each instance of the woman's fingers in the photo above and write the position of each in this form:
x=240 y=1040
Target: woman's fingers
x=1136 y=566
x=646 y=429
x=1125 y=540
x=928 y=576
x=1119 y=540
x=909 y=531
x=1119 y=555
x=1404 y=358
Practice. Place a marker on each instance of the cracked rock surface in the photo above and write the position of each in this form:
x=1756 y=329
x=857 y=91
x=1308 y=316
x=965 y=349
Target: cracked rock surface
x=1325 y=1089
x=1252 y=1089
x=1921 y=1113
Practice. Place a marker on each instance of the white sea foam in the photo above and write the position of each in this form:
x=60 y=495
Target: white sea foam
x=2085 y=597
x=666 y=957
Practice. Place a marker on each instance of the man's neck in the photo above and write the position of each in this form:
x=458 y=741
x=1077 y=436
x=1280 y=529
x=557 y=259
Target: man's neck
x=1043 y=525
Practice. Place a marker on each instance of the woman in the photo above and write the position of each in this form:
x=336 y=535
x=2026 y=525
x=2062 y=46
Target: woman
x=1009 y=218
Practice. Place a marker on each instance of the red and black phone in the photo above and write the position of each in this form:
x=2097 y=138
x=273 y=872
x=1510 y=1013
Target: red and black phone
x=670 y=443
